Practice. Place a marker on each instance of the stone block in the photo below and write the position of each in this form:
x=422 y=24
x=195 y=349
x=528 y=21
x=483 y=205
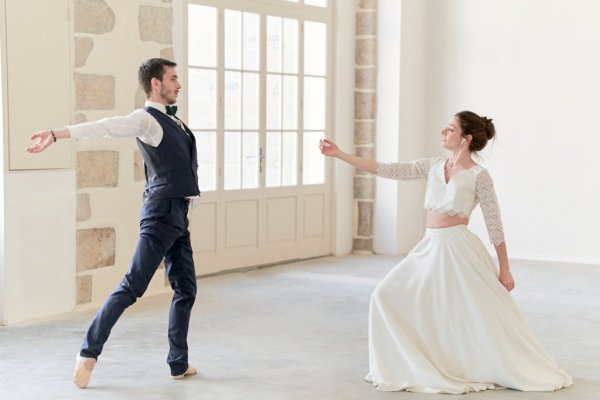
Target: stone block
x=365 y=105
x=366 y=23
x=362 y=245
x=80 y=118
x=97 y=169
x=365 y=152
x=84 y=289
x=364 y=187
x=364 y=132
x=93 y=16
x=156 y=24
x=365 y=218
x=84 y=211
x=365 y=78
x=140 y=98
x=366 y=52
x=367 y=4
x=95 y=248
x=167 y=53
x=138 y=167
x=83 y=47
x=94 y=92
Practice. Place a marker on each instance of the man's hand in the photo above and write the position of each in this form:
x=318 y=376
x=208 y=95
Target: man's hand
x=45 y=139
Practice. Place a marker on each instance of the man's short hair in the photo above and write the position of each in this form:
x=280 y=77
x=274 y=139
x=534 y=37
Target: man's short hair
x=152 y=68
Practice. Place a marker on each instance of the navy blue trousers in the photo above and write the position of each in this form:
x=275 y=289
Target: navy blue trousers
x=163 y=235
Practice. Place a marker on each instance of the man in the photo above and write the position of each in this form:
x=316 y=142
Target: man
x=169 y=151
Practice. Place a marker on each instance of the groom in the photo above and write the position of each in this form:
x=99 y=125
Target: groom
x=169 y=151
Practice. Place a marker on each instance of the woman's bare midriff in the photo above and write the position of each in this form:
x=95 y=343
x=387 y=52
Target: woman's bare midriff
x=443 y=220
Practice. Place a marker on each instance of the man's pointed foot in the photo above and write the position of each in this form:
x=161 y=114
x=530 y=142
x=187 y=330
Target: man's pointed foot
x=190 y=371
x=83 y=370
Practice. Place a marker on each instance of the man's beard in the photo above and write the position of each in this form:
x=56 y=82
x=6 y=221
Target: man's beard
x=163 y=95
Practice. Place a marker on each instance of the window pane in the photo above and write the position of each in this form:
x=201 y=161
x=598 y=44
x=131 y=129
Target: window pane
x=251 y=41
x=290 y=45
x=233 y=39
x=202 y=99
x=290 y=102
x=250 y=107
x=319 y=3
x=206 y=145
x=313 y=161
x=273 y=101
x=273 y=159
x=233 y=100
x=250 y=160
x=233 y=150
x=315 y=44
x=202 y=36
x=289 y=158
x=274 y=44
x=314 y=103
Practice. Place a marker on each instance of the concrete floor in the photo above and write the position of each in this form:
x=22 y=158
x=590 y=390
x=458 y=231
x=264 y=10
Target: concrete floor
x=296 y=331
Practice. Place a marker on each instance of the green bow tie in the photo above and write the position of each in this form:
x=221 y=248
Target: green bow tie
x=171 y=110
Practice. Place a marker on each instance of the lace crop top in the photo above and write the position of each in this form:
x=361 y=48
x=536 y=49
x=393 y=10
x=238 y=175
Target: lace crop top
x=457 y=197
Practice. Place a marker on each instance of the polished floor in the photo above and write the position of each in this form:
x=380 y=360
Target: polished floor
x=296 y=331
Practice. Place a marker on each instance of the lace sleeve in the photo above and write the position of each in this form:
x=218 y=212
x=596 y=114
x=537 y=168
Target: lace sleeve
x=486 y=195
x=417 y=169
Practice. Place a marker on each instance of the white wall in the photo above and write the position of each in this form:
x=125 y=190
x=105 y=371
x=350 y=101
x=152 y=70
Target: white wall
x=342 y=174
x=40 y=244
x=399 y=217
x=37 y=207
x=386 y=206
x=2 y=165
x=533 y=66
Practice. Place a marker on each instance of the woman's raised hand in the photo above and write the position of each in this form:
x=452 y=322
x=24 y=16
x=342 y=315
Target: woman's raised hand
x=328 y=148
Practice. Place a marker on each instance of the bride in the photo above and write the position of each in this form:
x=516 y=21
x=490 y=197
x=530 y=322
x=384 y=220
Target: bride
x=443 y=320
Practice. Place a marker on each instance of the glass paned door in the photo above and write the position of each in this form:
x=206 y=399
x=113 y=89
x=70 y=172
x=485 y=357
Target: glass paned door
x=241 y=97
x=282 y=101
x=257 y=103
x=202 y=98
x=315 y=100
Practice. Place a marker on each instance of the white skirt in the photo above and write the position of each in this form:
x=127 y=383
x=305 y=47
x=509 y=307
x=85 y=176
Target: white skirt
x=441 y=322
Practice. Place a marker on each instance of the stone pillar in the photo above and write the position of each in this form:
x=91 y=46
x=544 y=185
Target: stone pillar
x=365 y=107
x=111 y=172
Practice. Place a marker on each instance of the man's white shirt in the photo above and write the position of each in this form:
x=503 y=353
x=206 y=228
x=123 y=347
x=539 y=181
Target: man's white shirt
x=138 y=124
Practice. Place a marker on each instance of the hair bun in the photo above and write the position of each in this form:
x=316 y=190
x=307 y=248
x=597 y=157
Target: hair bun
x=488 y=125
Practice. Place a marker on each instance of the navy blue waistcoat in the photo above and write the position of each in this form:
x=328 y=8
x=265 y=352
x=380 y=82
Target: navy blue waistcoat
x=171 y=168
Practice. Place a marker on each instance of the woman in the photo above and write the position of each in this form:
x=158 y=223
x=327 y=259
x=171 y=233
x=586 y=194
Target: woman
x=443 y=321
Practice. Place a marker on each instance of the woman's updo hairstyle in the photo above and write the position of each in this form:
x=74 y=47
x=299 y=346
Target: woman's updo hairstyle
x=480 y=128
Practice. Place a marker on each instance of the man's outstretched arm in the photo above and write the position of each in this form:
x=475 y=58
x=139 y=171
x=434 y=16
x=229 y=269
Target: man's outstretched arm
x=46 y=138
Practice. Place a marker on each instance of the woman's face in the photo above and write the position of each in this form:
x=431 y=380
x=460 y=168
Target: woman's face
x=452 y=135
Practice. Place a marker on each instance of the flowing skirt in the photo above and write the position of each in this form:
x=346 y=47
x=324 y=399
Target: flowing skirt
x=441 y=322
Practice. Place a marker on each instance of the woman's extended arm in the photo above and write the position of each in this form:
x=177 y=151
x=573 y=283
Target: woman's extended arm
x=328 y=148
x=417 y=169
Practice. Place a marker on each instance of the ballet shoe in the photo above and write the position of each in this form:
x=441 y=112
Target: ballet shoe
x=190 y=371
x=83 y=371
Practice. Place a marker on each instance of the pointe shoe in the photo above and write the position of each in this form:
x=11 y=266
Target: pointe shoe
x=83 y=371
x=190 y=371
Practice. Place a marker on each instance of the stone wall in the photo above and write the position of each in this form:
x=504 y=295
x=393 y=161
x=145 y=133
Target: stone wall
x=365 y=107
x=111 y=38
